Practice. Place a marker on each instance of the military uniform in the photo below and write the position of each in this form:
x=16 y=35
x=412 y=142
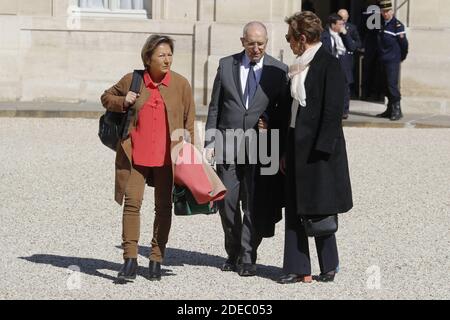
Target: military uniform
x=392 y=49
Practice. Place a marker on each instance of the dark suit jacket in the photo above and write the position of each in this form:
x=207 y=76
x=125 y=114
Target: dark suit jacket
x=227 y=107
x=346 y=60
x=317 y=145
x=227 y=111
x=354 y=34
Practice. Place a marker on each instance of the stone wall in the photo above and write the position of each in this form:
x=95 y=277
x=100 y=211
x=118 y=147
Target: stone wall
x=43 y=57
x=426 y=72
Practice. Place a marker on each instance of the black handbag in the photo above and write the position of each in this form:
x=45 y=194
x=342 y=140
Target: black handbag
x=320 y=226
x=113 y=126
x=185 y=205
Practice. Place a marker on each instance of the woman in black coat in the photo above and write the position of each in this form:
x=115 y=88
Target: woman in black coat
x=315 y=161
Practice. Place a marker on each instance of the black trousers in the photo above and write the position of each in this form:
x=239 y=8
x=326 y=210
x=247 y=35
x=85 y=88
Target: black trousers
x=372 y=77
x=296 y=246
x=241 y=239
x=296 y=249
x=347 y=98
x=392 y=75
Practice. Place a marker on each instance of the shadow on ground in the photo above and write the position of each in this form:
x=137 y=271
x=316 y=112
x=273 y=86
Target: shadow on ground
x=174 y=257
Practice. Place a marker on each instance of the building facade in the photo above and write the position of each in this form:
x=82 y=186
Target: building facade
x=71 y=50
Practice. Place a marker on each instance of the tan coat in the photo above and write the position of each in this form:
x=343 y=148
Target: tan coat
x=180 y=110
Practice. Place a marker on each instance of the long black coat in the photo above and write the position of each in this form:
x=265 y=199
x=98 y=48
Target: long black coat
x=317 y=171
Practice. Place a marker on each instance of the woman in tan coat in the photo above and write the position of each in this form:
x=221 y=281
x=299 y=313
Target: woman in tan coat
x=164 y=104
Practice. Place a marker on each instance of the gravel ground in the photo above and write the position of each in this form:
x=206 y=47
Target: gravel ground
x=57 y=212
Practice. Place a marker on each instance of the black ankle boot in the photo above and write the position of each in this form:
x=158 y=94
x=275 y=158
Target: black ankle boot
x=128 y=270
x=387 y=114
x=154 y=271
x=396 y=112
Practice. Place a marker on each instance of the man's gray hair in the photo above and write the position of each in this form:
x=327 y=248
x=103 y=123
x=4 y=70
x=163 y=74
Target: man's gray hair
x=254 y=24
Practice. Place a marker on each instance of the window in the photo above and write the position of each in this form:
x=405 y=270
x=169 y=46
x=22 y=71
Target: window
x=115 y=8
x=92 y=3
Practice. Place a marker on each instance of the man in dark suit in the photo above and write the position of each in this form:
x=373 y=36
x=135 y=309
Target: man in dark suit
x=354 y=34
x=250 y=89
x=337 y=40
x=352 y=30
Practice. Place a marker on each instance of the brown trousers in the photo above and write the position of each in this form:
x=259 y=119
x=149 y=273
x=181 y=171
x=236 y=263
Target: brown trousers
x=134 y=193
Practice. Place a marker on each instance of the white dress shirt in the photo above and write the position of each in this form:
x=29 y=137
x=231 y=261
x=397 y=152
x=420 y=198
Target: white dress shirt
x=245 y=68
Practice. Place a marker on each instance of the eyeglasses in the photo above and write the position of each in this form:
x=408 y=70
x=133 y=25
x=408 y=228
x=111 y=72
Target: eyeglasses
x=253 y=44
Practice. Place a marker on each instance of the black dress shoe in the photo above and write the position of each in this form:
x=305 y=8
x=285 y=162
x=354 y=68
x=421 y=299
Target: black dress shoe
x=247 y=270
x=325 y=277
x=154 y=271
x=128 y=270
x=294 y=278
x=386 y=114
x=228 y=266
x=396 y=112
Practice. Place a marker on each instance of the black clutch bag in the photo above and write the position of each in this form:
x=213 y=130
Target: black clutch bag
x=185 y=205
x=320 y=226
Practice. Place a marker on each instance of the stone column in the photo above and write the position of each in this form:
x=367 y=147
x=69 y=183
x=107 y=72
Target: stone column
x=9 y=7
x=60 y=7
x=159 y=9
x=294 y=6
x=206 y=10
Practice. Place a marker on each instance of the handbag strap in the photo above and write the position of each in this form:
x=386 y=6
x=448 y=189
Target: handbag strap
x=137 y=80
x=136 y=88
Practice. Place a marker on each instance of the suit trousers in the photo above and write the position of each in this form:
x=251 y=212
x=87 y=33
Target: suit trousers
x=241 y=239
x=392 y=87
x=134 y=193
x=296 y=246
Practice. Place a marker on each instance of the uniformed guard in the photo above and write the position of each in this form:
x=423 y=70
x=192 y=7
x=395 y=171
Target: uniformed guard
x=392 y=50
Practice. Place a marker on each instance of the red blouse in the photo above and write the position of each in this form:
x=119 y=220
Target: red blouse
x=150 y=139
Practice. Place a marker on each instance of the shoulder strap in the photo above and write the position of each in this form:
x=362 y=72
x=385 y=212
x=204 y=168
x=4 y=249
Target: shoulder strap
x=137 y=81
x=135 y=86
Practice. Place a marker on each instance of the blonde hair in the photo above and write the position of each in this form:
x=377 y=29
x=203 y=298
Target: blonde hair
x=305 y=23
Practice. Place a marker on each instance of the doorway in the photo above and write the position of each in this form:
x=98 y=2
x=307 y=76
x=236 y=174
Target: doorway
x=323 y=8
x=356 y=9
